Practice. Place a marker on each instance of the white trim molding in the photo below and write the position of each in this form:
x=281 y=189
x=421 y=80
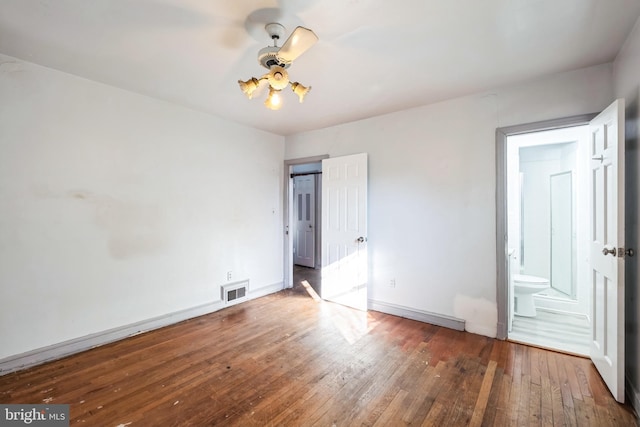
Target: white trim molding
x=419 y=315
x=265 y=290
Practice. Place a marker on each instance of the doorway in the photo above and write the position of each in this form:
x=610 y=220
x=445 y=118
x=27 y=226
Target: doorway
x=302 y=252
x=547 y=202
x=518 y=218
x=326 y=202
x=305 y=225
x=606 y=252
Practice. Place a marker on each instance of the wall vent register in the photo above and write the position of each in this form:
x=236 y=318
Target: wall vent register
x=234 y=293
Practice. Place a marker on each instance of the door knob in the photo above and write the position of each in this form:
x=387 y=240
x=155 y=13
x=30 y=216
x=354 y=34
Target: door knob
x=361 y=239
x=620 y=252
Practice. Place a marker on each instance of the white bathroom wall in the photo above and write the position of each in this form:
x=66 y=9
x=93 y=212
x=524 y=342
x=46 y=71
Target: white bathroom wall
x=537 y=164
x=116 y=208
x=432 y=189
x=627 y=85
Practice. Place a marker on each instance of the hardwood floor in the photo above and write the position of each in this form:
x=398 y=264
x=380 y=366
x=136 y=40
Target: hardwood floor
x=288 y=359
x=310 y=275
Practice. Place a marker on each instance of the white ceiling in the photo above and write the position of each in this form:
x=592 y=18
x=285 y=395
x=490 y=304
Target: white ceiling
x=373 y=57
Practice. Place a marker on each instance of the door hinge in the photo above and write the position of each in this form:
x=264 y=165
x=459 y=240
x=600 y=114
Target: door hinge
x=622 y=252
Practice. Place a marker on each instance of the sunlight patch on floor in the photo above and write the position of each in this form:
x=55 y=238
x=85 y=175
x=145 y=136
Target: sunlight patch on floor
x=312 y=293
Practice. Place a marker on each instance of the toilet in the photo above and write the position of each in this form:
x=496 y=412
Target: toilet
x=524 y=288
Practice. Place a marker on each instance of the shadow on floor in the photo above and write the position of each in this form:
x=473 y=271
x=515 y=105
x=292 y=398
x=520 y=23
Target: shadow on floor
x=311 y=275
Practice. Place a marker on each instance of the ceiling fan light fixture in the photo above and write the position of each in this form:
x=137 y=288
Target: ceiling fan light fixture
x=274 y=100
x=300 y=90
x=278 y=77
x=249 y=86
x=277 y=60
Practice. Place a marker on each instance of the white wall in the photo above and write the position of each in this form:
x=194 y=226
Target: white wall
x=627 y=85
x=432 y=189
x=537 y=164
x=116 y=208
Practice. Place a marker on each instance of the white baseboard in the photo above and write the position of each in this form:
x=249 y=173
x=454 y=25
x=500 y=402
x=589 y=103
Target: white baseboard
x=265 y=290
x=76 y=345
x=634 y=396
x=419 y=315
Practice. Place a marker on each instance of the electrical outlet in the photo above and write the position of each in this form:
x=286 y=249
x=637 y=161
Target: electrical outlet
x=392 y=283
x=229 y=275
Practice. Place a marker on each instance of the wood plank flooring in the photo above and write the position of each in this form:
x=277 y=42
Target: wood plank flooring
x=289 y=360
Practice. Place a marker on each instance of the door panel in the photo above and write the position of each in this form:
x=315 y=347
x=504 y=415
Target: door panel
x=344 y=230
x=606 y=236
x=304 y=220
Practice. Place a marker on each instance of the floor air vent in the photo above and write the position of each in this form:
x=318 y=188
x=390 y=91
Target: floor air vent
x=234 y=293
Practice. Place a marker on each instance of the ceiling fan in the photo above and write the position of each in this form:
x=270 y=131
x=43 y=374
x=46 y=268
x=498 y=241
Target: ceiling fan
x=277 y=60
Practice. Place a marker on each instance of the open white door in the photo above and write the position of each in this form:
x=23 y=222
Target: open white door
x=606 y=238
x=344 y=230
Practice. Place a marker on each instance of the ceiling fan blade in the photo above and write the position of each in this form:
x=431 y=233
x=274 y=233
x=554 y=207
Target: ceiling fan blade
x=300 y=40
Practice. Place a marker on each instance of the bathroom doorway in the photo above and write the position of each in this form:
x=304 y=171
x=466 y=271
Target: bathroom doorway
x=600 y=251
x=547 y=220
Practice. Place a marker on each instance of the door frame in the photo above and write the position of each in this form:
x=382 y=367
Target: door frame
x=287 y=217
x=502 y=257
